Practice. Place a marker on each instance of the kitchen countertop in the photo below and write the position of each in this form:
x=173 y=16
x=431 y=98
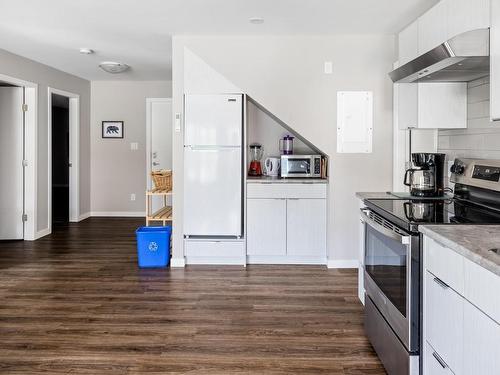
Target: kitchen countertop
x=279 y=180
x=472 y=241
x=375 y=195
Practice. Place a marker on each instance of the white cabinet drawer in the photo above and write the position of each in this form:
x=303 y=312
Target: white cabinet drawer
x=445 y=264
x=434 y=364
x=286 y=190
x=482 y=288
x=202 y=248
x=443 y=319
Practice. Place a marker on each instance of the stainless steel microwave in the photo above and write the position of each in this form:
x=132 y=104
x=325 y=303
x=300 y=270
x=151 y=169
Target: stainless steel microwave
x=301 y=166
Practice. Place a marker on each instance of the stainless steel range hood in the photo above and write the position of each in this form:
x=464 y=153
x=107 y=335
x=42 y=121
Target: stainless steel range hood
x=463 y=58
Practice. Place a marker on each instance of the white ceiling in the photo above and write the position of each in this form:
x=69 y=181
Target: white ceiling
x=138 y=32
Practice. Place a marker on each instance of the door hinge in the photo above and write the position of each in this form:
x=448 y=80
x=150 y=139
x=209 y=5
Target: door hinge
x=25 y=217
x=25 y=163
x=25 y=108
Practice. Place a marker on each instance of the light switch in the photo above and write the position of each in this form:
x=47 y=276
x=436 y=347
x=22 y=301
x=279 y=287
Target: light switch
x=134 y=146
x=177 y=122
x=328 y=67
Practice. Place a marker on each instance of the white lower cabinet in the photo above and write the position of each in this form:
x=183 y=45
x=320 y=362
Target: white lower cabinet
x=306 y=227
x=286 y=223
x=460 y=337
x=266 y=223
x=482 y=341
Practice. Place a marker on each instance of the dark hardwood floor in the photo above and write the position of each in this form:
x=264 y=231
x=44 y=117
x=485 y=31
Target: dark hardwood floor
x=75 y=302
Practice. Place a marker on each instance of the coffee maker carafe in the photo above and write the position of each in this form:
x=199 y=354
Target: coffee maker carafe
x=426 y=177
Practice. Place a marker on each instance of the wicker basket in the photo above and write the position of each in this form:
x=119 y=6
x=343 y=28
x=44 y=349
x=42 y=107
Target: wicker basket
x=162 y=179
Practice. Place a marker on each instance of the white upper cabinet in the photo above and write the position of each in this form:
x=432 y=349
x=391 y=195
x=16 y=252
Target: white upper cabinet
x=408 y=43
x=432 y=28
x=432 y=105
x=466 y=15
x=446 y=19
x=495 y=61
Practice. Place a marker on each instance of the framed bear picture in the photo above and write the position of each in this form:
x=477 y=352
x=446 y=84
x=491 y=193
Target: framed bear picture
x=112 y=129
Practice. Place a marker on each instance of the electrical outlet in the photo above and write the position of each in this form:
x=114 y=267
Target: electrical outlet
x=328 y=67
x=132 y=197
x=134 y=146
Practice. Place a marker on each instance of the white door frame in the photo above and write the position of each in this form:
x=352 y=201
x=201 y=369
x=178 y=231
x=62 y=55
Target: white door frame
x=74 y=153
x=149 y=123
x=30 y=154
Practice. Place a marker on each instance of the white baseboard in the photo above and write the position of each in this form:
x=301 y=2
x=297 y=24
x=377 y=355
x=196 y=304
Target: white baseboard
x=285 y=259
x=118 y=214
x=83 y=216
x=177 y=263
x=42 y=233
x=216 y=261
x=344 y=263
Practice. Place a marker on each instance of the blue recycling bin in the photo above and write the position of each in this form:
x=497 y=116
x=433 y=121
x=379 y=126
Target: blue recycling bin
x=153 y=246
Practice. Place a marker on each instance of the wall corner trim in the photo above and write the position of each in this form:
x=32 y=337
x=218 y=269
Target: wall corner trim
x=84 y=216
x=177 y=263
x=343 y=263
x=40 y=234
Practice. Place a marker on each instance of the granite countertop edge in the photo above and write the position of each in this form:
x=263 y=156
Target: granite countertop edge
x=475 y=247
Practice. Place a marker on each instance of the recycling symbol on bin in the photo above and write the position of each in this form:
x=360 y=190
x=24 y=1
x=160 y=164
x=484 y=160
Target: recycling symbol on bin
x=153 y=246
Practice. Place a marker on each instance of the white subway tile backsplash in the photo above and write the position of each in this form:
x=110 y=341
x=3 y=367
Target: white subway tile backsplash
x=481 y=139
x=478 y=93
x=478 y=109
x=480 y=123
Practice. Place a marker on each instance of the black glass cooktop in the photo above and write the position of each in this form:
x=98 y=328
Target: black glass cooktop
x=421 y=211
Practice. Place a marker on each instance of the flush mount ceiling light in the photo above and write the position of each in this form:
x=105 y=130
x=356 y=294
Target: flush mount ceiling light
x=86 y=51
x=256 y=20
x=113 y=67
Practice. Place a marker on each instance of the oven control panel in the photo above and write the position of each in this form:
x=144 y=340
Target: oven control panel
x=482 y=173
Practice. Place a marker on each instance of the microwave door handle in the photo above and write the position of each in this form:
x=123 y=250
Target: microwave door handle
x=405 y=240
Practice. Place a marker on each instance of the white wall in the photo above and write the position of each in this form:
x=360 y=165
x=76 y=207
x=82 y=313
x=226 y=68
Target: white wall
x=263 y=129
x=285 y=75
x=116 y=170
x=481 y=139
x=45 y=76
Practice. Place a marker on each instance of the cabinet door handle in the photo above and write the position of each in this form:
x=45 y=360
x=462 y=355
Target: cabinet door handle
x=441 y=283
x=440 y=360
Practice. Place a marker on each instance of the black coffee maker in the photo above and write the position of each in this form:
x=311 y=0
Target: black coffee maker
x=426 y=177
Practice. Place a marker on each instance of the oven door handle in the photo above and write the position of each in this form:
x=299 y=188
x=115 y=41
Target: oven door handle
x=405 y=240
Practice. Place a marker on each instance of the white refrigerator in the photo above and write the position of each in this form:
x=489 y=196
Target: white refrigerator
x=213 y=165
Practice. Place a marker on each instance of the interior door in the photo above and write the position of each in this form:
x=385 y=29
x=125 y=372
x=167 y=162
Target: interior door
x=11 y=163
x=160 y=112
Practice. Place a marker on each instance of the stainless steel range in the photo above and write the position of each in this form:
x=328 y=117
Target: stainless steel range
x=392 y=254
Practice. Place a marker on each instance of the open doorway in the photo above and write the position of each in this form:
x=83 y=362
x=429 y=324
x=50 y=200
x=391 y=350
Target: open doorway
x=63 y=108
x=158 y=142
x=60 y=159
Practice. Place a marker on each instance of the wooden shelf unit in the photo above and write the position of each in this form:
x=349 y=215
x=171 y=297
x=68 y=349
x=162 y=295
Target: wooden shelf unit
x=164 y=214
